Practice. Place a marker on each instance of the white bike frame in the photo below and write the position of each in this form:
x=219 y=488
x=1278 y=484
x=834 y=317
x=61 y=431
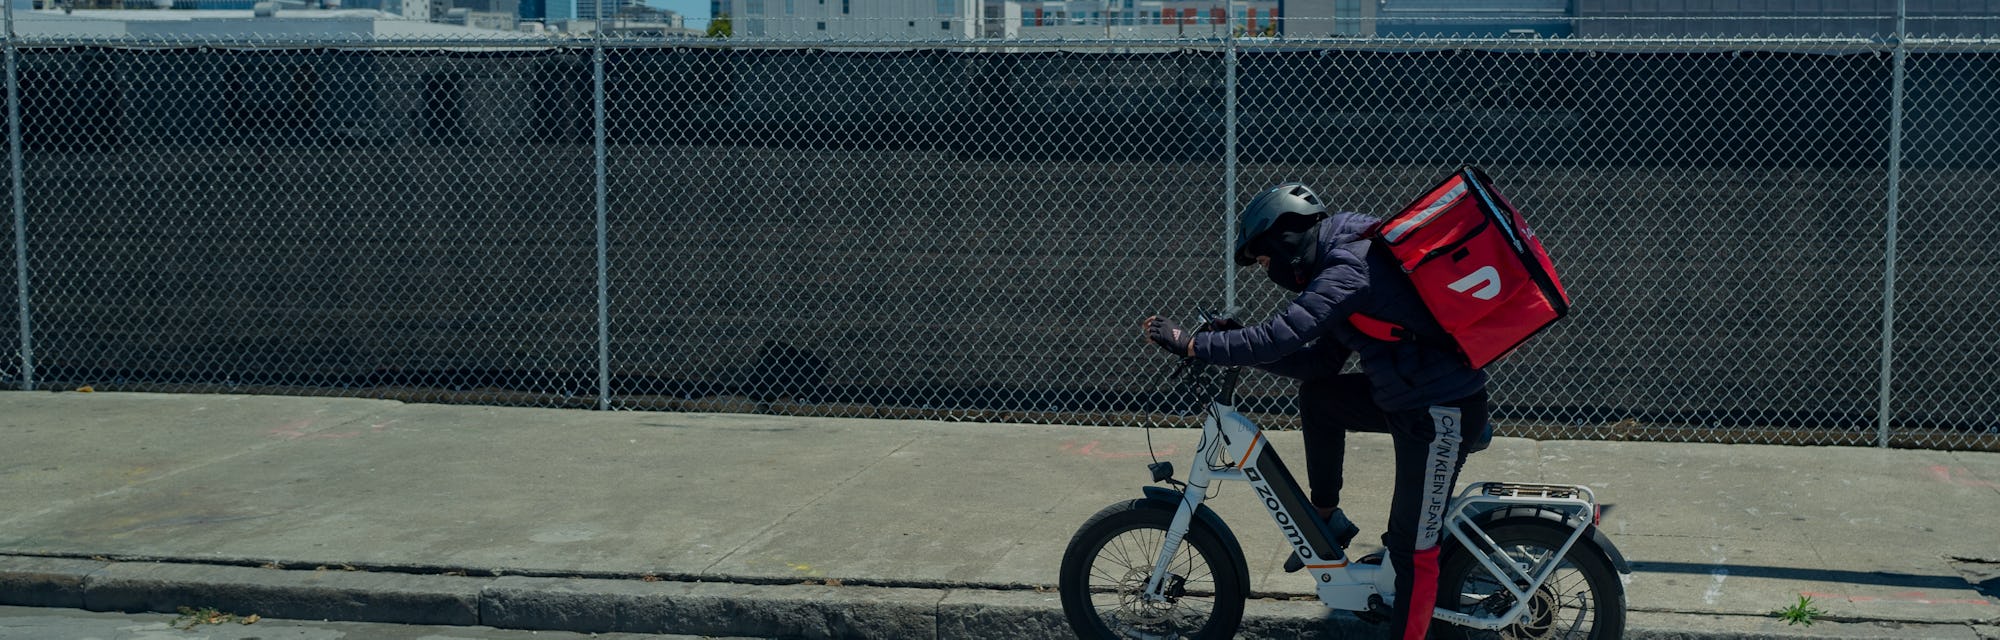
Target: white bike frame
x=1233 y=448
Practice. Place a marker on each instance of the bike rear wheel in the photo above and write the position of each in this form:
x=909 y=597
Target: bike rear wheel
x=1111 y=558
x=1583 y=599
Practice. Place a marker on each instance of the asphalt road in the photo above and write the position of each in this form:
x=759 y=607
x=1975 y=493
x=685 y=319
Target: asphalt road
x=40 y=623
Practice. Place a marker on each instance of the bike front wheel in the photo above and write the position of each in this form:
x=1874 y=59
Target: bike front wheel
x=1111 y=558
x=1582 y=600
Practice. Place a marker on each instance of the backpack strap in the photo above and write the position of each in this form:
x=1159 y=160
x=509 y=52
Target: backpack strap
x=1387 y=331
x=1371 y=326
x=1380 y=329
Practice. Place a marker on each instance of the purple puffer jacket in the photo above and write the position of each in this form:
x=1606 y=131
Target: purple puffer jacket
x=1312 y=337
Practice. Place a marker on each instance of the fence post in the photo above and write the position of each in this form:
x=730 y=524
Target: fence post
x=1900 y=55
x=1229 y=160
x=603 y=275
x=20 y=203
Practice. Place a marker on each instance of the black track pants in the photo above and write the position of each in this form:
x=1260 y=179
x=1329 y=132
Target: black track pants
x=1431 y=445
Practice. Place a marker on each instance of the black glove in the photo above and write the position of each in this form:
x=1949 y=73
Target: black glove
x=1167 y=335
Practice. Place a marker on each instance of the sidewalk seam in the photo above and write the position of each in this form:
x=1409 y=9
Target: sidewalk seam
x=1821 y=617
x=937 y=615
x=473 y=572
x=91 y=581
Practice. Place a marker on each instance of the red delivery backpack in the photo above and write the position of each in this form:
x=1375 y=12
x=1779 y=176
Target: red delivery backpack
x=1476 y=264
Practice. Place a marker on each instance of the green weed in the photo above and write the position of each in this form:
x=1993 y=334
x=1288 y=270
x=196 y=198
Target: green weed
x=1801 y=612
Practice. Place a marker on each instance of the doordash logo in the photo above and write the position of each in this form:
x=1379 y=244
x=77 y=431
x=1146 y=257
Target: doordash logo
x=1486 y=280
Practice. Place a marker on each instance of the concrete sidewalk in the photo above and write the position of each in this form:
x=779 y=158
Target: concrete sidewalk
x=750 y=525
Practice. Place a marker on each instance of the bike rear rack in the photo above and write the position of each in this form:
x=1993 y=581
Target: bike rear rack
x=1570 y=501
x=1531 y=490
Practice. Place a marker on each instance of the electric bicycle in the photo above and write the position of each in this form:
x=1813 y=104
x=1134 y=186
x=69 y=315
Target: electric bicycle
x=1521 y=561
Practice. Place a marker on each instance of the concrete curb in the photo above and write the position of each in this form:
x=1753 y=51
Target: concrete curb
x=45 y=582
x=590 y=605
x=713 y=609
x=303 y=595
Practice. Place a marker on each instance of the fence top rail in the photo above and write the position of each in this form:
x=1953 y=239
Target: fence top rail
x=1527 y=45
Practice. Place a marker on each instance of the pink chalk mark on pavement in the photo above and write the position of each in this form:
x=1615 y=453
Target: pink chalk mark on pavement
x=1959 y=476
x=293 y=430
x=296 y=430
x=1090 y=450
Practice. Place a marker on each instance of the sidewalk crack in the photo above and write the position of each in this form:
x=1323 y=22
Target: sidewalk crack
x=1955 y=457
x=707 y=570
x=1846 y=619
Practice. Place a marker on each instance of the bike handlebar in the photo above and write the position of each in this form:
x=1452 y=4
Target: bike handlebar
x=1196 y=371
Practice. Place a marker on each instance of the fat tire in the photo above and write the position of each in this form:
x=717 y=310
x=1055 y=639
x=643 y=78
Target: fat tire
x=1607 y=592
x=1231 y=578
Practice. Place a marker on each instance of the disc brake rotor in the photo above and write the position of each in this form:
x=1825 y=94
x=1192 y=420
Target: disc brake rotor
x=1537 y=622
x=1151 y=611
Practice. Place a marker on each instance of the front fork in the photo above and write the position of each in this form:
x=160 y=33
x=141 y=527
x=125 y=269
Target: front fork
x=1156 y=586
x=1214 y=446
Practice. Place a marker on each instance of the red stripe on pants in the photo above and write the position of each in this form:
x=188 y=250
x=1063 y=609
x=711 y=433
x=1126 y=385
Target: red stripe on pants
x=1423 y=593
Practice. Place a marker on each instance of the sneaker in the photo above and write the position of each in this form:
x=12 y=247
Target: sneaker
x=1343 y=530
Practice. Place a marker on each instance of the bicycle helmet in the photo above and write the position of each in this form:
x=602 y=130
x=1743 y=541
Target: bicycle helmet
x=1274 y=209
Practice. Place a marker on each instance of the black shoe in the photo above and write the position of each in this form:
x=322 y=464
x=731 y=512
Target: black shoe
x=1343 y=533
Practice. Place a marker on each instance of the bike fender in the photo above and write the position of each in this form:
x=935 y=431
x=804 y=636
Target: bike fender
x=1604 y=544
x=1171 y=500
x=1592 y=536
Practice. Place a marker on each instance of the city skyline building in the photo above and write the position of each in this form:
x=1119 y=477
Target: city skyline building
x=1021 y=19
x=1149 y=19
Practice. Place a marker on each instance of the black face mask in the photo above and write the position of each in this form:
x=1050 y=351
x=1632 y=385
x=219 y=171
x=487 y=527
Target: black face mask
x=1292 y=258
x=1289 y=275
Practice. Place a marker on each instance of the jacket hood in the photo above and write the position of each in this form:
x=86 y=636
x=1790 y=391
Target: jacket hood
x=1343 y=230
x=1345 y=227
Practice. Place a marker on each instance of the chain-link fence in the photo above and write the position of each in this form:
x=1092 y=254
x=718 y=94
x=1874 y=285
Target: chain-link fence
x=1720 y=215
x=972 y=230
